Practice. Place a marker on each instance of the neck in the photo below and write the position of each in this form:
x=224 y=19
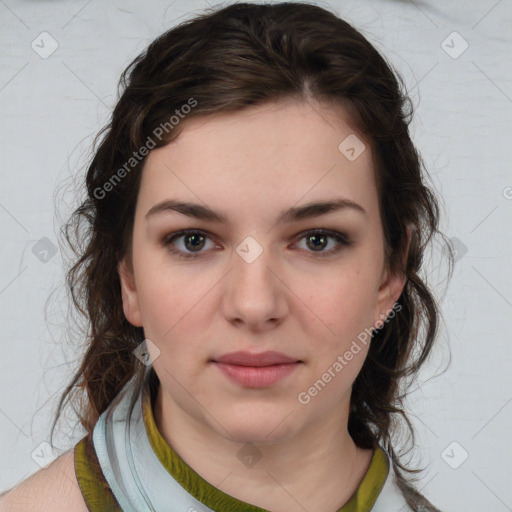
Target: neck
x=294 y=474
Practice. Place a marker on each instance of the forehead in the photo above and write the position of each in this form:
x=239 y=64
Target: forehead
x=273 y=154
x=279 y=127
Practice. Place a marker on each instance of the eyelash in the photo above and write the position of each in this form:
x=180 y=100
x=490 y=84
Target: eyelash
x=342 y=239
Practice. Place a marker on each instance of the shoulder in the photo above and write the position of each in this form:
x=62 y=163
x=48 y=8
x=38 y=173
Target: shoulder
x=54 y=488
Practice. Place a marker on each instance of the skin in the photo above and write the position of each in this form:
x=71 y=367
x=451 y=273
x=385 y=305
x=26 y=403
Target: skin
x=250 y=166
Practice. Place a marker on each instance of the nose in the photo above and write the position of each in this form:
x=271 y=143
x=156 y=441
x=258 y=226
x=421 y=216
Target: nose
x=255 y=294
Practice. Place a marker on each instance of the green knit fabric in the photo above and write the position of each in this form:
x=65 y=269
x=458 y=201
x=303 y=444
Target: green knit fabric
x=99 y=497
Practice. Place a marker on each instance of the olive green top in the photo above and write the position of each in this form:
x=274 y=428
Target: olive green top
x=98 y=496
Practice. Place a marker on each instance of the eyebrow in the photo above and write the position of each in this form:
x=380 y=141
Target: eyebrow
x=294 y=214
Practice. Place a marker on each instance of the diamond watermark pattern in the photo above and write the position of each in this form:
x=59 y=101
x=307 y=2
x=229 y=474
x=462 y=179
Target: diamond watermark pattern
x=146 y=352
x=454 y=455
x=44 y=250
x=458 y=247
x=44 y=45
x=249 y=454
x=44 y=454
x=454 y=45
x=351 y=147
x=249 y=249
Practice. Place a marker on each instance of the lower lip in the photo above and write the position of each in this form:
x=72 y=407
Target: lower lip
x=256 y=376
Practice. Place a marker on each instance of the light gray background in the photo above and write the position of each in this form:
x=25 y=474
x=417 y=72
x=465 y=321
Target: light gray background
x=53 y=106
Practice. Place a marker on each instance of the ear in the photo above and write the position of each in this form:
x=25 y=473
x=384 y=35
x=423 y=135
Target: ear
x=129 y=293
x=390 y=289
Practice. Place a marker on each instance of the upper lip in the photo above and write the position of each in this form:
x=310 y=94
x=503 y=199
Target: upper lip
x=244 y=358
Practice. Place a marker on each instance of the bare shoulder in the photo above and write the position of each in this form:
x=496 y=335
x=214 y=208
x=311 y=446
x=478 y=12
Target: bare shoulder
x=54 y=488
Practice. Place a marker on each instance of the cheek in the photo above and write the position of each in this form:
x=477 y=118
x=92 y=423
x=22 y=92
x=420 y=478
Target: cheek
x=345 y=304
x=337 y=353
x=169 y=294
x=175 y=313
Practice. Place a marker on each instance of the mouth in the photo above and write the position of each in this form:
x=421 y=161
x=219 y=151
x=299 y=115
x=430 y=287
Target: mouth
x=256 y=370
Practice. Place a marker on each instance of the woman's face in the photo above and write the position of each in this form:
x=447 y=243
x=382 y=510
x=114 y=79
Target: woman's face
x=259 y=281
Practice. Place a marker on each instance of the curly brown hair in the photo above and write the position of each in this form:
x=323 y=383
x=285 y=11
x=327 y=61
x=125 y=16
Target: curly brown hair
x=226 y=60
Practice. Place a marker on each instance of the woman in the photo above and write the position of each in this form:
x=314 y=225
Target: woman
x=257 y=217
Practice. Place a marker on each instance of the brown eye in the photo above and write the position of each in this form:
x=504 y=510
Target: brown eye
x=187 y=244
x=318 y=240
x=194 y=242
